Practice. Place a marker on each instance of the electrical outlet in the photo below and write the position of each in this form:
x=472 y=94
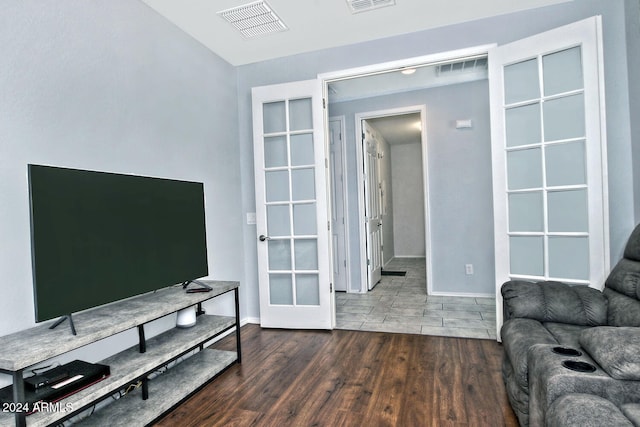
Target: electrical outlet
x=468 y=269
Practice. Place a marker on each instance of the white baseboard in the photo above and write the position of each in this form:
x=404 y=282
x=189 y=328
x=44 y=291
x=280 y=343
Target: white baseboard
x=462 y=294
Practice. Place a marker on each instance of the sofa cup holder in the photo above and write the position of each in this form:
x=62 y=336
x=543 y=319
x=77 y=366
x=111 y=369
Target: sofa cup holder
x=566 y=351
x=578 y=366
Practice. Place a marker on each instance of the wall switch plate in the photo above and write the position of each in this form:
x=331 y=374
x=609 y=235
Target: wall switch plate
x=251 y=218
x=468 y=269
x=464 y=124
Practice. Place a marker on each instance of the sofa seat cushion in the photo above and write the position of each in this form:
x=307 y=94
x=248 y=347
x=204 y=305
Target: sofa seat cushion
x=623 y=309
x=554 y=302
x=565 y=334
x=584 y=410
x=615 y=349
x=632 y=412
x=517 y=336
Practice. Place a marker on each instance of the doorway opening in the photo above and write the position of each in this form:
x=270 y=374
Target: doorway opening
x=372 y=225
x=392 y=159
x=356 y=91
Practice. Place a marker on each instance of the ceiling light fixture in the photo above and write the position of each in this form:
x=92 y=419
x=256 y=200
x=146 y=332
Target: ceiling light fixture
x=408 y=71
x=254 y=19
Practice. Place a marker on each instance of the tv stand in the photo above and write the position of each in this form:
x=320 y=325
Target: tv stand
x=62 y=319
x=137 y=365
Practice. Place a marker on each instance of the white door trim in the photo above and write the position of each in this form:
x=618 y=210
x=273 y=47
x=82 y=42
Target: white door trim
x=417 y=61
x=422 y=109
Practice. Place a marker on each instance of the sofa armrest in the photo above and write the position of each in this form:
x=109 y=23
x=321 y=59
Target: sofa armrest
x=554 y=302
x=518 y=335
x=549 y=379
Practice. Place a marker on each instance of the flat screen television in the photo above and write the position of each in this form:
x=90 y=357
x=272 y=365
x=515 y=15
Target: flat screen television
x=99 y=237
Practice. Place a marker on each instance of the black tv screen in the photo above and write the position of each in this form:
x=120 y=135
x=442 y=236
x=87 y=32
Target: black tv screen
x=99 y=237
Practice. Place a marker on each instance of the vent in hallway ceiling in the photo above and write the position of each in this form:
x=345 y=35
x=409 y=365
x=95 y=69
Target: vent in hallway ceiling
x=467 y=65
x=358 y=6
x=254 y=19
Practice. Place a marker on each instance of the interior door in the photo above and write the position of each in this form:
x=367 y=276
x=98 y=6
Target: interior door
x=373 y=205
x=291 y=206
x=549 y=158
x=338 y=220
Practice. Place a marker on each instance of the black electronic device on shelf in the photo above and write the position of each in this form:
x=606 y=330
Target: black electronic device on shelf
x=56 y=384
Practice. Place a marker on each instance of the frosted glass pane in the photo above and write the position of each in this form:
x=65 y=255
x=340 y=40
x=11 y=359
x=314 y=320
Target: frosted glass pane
x=569 y=257
x=300 y=117
x=565 y=164
x=524 y=169
x=304 y=219
x=307 y=289
x=568 y=211
x=526 y=255
x=526 y=212
x=278 y=223
x=564 y=118
x=302 y=149
x=562 y=71
x=306 y=254
x=273 y=117
x=523 y=125
x=279 y=255
x=521 y=81
x=280 y=289
x=303 y=184
x=277 y=186
x=275 y=151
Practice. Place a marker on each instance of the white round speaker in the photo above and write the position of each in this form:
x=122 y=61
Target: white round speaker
x=186 y=317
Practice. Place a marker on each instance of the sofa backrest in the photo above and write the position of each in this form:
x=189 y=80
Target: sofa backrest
x=622 y=287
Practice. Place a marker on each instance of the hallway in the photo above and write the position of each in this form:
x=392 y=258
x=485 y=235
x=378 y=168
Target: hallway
x=400 y=304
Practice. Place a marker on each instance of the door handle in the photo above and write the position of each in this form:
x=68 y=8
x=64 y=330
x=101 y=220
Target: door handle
x=262 y=238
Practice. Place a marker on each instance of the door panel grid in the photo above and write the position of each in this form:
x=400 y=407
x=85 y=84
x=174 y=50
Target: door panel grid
x=549 y=158
x=544 y=117
x=290 y=203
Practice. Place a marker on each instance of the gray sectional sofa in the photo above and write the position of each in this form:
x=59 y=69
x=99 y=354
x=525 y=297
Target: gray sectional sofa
x=572 y=350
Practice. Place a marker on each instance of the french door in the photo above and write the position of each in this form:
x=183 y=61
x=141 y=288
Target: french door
x=291 y=206
x=549 y=158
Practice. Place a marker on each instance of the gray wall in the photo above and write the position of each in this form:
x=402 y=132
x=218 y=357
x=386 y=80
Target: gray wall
x=501 y=29
x=460 y=188
x=408 y=200
x=112 y=86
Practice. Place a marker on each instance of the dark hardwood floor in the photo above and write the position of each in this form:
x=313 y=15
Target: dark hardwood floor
x=352 y=378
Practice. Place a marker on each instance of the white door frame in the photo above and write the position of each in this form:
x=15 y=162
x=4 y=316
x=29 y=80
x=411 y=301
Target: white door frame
x=383 y=67
x=359 y=117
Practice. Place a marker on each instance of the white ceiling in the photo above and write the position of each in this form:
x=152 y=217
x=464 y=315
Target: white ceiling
x=399 y=129
x=320 y=24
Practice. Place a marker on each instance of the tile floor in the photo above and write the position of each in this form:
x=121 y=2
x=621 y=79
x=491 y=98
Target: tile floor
x=400 y=304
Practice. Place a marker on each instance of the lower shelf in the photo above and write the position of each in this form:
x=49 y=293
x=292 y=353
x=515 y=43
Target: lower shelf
x=165 y=391
x=130 y=364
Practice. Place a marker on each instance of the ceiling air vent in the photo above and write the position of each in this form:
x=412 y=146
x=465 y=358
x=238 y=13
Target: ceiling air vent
x=358 y=6
x=468 y=65
x=254 y=19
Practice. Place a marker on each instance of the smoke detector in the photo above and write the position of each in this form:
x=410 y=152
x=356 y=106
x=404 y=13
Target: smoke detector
x=254 y=19
x=358 y=6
